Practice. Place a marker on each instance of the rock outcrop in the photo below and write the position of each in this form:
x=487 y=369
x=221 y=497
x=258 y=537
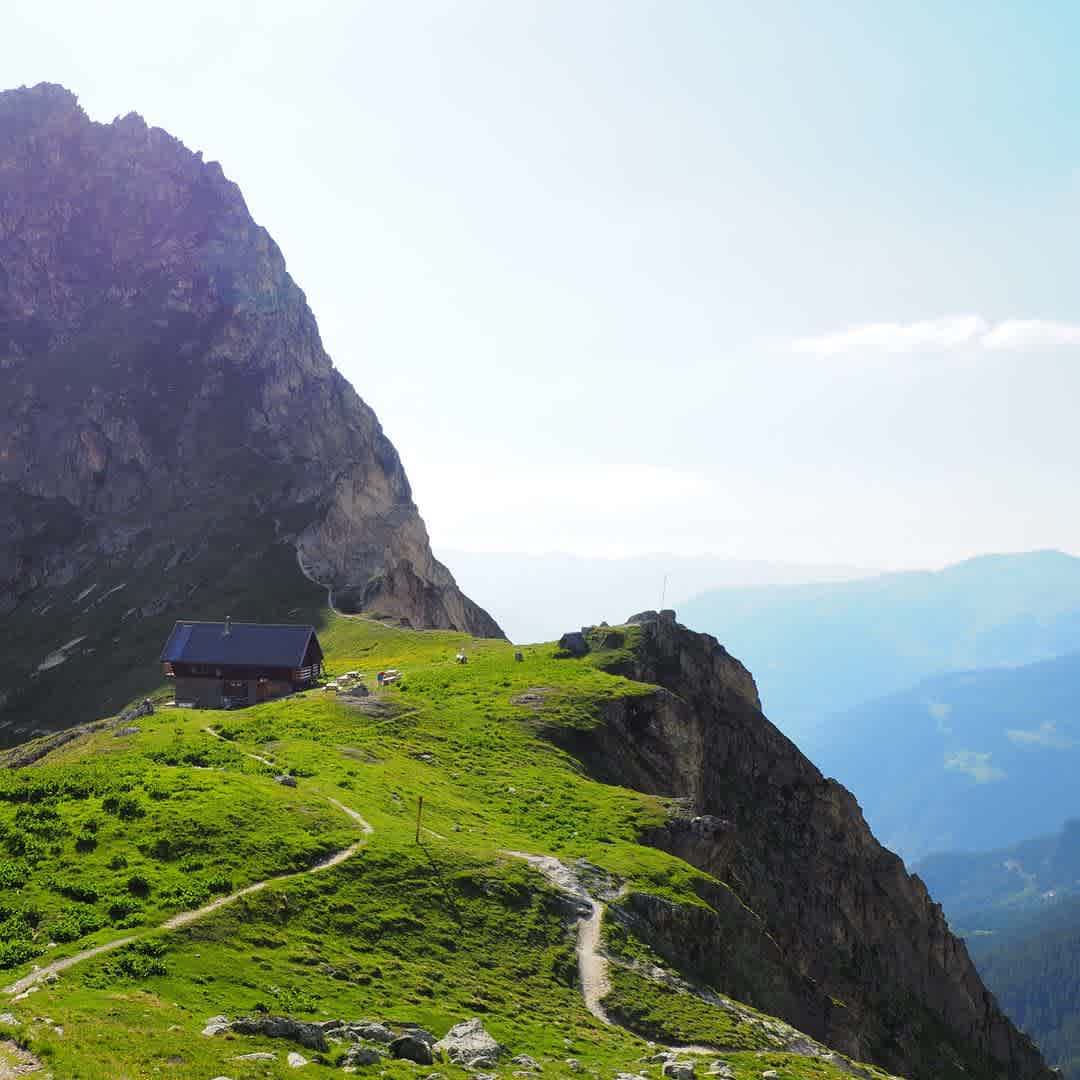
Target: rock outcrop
x=167 y=410
x=885 y=979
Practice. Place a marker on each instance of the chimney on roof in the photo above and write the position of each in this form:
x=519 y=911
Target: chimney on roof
x=228 y=625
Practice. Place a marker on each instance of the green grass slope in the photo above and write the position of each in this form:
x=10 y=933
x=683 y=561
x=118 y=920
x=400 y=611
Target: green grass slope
x=109 y=836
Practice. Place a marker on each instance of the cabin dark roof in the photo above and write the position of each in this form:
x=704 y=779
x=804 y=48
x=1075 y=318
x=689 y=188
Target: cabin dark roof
x=245 y=644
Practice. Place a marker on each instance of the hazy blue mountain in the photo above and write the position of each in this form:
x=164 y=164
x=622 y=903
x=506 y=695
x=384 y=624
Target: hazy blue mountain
x=1015 y=880
x=819 y=649
x=540 y=597
x=969 y=760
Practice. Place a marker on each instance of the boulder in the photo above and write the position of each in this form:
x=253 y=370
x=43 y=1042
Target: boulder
x=362 y=1055
x=411 y=1048
x=468 y=1043
x=311 y=1036
x=296 y=1061
x=523 y=1061
x=417 y=1032
x=286 y=780
x=217 y=1025
x=678 y=1069
x=574 y=643
x=370 y=1030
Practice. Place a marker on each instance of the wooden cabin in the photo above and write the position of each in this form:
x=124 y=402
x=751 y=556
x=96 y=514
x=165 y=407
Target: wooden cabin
x=227 y=665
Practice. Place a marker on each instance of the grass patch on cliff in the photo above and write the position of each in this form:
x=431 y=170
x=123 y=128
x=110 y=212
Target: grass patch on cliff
x=665 y=1013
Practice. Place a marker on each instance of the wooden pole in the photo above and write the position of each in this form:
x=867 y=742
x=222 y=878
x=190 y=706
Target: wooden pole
x=419 y=813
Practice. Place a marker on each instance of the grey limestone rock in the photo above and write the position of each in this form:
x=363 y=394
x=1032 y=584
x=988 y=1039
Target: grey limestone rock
x=468 y=1043
x=412 y=1048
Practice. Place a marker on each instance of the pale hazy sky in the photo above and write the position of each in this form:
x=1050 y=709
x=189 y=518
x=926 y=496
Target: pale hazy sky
x=768 y=280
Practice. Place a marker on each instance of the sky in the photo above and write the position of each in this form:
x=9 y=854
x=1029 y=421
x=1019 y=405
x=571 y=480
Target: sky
x=759 y=280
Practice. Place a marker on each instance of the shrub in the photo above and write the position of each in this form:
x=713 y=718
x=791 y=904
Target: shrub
x=137 y=885
x=125 y=807
x=219 y=883
x=81 y=891
x=14 y=953
x=75 y=924
x=140 y=960
x=122 y=908
x=118 y=862
x=190 y=895
x=85 y=842
x=13 y=875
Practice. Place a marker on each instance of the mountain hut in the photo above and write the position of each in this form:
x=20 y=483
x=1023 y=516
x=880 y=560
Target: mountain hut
x=227 y=665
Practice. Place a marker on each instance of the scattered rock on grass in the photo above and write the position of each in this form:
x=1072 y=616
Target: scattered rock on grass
x=678 y=1069
x=217 y=1025
x=370 y=1030
x=523 y=1061
x=281 y=1027
x=411 y=1048
x=361 y=1055
x=469 y=1044
x=296 y=1061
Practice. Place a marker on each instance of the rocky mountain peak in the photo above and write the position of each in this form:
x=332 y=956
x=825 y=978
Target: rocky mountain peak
x=167 y=410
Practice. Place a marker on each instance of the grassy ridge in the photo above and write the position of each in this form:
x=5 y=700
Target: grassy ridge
x=432 y=933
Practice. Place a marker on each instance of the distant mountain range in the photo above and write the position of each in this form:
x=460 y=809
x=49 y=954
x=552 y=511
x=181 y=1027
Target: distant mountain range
x=1026 y=877
x=820 y=649
x=540 y=597
x=970 y=760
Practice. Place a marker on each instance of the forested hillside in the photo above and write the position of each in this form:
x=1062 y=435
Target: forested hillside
x=1032 y=964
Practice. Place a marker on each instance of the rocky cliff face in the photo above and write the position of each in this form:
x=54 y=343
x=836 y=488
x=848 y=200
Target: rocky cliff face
x=884 y=980
x=164 y=391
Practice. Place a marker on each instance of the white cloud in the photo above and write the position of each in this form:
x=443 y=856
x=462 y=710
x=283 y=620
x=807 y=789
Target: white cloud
x=1031 y=334
x=975 y=765
x=1046 y=734
x=947 y=333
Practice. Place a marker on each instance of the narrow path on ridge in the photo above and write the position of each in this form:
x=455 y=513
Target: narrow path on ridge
x=592 y=963
x=23 y=986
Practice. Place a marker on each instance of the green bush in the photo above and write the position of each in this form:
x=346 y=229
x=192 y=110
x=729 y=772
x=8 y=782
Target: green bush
x=75 y=924
x=138 y=885
x=14 y=953
x=125 y=807
x=80 y=891
x=219 y=883
x=12 y=874
x=122 y=908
